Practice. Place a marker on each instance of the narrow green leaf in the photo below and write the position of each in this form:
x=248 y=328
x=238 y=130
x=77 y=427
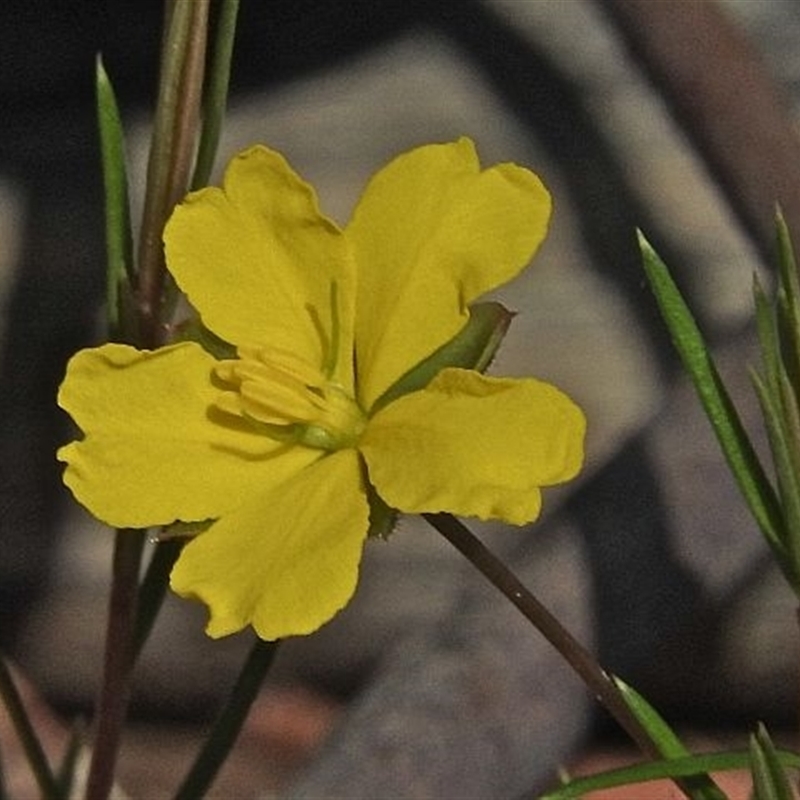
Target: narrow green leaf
x=779 y=334
x=660 y=770
x=700 y=787
x=787 y=480
x=770 y=781
x=119 y=238
x=790 y=479
x=473 y=347
x=736 y=446
x=668 y=743
x=767 y=334
x=770 y=396
x=788 y=301
x=216 y=95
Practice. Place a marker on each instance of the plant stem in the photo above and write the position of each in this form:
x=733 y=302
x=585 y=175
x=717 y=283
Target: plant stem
x=581 y=661
x=34 y=753
x=215 y=100
x=154 y=588
x=115 y=689
x=171 y=153
x=229 y=723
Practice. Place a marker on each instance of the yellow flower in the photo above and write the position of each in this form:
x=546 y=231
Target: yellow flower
x=278 y=445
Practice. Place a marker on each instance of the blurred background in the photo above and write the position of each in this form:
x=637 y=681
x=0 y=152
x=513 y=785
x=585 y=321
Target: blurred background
x=676 y=116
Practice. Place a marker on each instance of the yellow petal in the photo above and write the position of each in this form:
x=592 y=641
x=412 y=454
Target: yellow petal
x=430 y=235
x=287 y=560
x=258 y=260
x=474 y=446
x=154 y=449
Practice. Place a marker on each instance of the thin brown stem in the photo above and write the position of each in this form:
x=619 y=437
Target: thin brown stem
x=577 y=656
x=118 y=663
x=171 y=153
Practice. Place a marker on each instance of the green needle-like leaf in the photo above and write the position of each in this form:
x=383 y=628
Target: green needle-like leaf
x=769 y=777
x=119 y=238
x=787 y=479
x=699 y=787
x=777 y=398
x=736 y=446
x=767 y=334
x=659 y=770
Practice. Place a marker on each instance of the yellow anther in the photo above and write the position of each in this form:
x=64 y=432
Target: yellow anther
x=276 y=388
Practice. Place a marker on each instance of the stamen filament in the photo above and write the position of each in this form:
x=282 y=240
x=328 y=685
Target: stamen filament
x=332 y=356
x=273 y=387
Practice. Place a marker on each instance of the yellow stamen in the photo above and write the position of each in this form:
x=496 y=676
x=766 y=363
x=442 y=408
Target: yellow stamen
x=276 y=388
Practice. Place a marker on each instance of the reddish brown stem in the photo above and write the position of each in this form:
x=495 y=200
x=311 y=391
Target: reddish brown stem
x=115 y=689
x=171 y=155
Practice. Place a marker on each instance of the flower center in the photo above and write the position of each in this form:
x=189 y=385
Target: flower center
x=289 y=398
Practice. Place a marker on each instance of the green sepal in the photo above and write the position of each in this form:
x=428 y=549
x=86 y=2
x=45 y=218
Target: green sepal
x=193 y=330
x=382 y=517
x=181 y=530
x=119 y=237
x=473 y=347
x=736 y=446
x=770 y=781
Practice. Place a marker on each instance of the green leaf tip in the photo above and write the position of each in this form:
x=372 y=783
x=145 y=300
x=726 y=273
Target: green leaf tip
x=699 y=786
x=119 y=236
x=770 y=781
x=736 y=446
